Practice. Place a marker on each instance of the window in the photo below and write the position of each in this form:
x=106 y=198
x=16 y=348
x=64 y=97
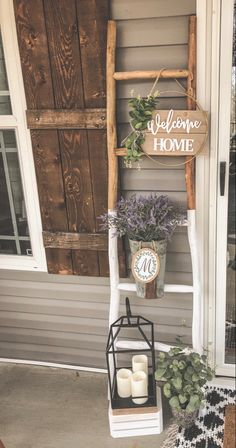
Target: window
x=21 y=245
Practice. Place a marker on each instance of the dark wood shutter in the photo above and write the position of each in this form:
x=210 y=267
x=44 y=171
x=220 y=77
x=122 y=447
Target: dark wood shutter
x=63 y=54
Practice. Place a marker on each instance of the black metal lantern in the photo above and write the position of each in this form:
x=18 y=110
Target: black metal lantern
x=121 y=358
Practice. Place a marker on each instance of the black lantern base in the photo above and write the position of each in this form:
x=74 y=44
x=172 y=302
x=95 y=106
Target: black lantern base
x=120 y=403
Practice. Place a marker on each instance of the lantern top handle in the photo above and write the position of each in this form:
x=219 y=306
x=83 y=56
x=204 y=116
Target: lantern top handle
x=128 y=309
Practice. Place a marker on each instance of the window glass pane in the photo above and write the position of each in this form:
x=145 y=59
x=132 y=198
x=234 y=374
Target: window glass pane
x=6 y=227
x=14 y=232
x=25 y=248
x=5 y=102
x=8 y=247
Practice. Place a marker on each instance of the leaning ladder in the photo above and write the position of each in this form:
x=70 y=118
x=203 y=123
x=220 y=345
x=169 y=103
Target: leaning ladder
x=113 y=153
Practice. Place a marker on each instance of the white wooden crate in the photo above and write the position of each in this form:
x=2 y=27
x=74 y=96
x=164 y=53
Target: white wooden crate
x=133 y=424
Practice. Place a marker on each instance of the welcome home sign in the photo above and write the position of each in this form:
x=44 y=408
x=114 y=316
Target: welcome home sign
x=176 y=133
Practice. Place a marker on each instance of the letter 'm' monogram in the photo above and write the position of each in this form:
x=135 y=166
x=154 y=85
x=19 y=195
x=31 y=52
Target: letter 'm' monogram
x=146 y=266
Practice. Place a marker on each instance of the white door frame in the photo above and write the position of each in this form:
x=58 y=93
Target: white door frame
x=214 y=57
x=222 y=201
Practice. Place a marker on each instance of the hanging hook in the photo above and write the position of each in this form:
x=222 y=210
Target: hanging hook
x=128 y=310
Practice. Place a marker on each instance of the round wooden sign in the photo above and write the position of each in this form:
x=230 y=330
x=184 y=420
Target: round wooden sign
x=145 y=265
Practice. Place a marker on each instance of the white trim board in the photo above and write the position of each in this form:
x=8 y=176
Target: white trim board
x=222 y=382
x=51 y=364
x=202 y=162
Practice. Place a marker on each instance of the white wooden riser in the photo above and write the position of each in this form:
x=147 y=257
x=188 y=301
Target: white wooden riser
x=135 y=432
x=132 y=425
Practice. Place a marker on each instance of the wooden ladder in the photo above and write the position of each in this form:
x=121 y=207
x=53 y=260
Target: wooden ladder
x=113 y=153
x=151 y=423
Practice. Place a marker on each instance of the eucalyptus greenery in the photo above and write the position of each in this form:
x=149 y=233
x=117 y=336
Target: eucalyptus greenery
x=140 y=113
x=185 y=373
x=144 y=218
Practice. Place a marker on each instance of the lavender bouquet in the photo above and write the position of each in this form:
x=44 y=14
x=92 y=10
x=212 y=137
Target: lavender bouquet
x=150 y=218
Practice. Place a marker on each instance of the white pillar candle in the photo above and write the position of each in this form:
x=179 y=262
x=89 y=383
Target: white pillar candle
x=139 y=387
x=123 y=377
x=140 y=362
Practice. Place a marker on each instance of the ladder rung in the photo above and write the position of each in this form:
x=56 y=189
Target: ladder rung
x=151 y=74
x=141 y=345
x=120 y=152
x=167 y=288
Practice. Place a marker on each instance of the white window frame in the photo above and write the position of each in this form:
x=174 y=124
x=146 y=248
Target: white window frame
x=17 y=122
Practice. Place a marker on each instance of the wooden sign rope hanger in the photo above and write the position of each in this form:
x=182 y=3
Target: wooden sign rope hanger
x=185 y=93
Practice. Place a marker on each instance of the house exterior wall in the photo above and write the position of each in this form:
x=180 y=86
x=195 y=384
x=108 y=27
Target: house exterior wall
x=64 y=319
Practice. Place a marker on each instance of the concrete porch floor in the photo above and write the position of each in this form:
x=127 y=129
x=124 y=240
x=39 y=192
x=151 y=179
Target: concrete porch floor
x=43 y=407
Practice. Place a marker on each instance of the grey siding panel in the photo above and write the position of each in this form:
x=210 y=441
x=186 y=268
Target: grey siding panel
x=152 y=32
x=179 y=242
x=138 y=9
x=52 y=321
x=152 y=58
x=175 y=196
x=153 y=180
x=168 y=88
x=65 y=318
x=164 y=103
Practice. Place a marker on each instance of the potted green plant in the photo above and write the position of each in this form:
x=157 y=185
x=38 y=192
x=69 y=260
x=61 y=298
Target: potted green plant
x=183 y=373
x=147 y=221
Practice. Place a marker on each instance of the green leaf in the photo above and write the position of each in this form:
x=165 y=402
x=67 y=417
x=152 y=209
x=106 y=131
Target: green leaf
x=194 y=403
x=187 y=376
x=160 y=373
x=138 y=125
x=174 y=402
x=182 y=365
x=167 y=390
x=195 y=377
x=175 y=351
x=190 y=408
x=177 y=383
x=209 y=376
x=187 y=389
x=195 y=357
x=182 y=398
